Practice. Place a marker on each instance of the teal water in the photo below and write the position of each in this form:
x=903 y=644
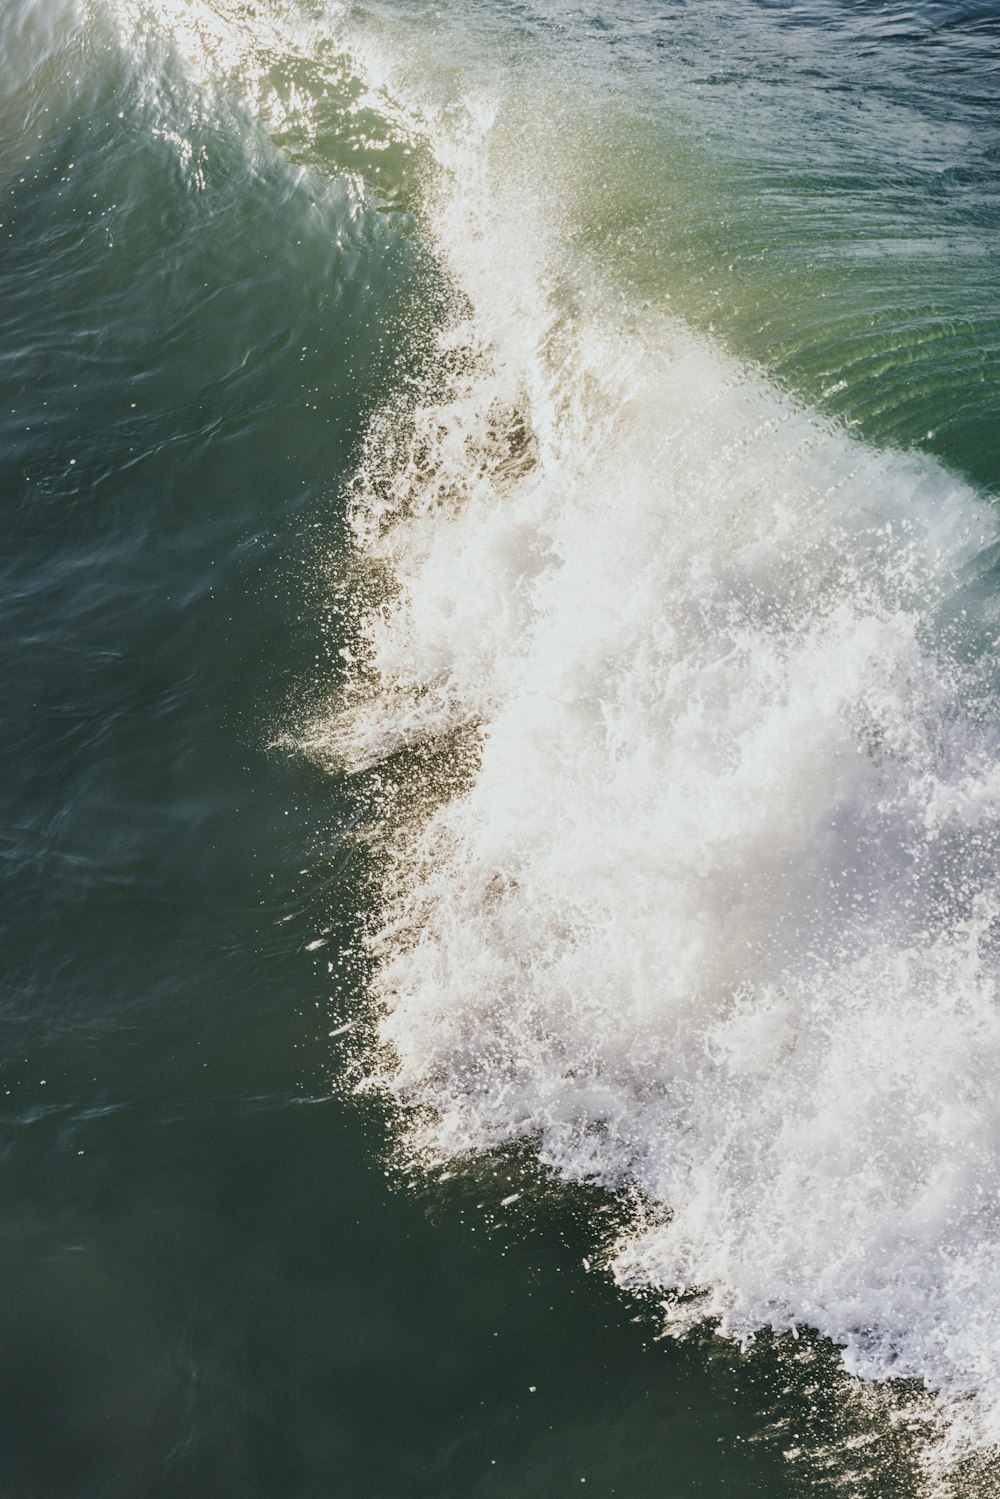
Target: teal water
x=327 y=330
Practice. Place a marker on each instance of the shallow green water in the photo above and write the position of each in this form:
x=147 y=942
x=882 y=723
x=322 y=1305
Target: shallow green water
x=214 y=1285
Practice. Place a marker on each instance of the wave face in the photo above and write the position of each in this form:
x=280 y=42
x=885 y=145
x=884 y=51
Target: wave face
x=689 y=686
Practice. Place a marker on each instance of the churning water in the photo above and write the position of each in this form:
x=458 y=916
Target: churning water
x=638 y=370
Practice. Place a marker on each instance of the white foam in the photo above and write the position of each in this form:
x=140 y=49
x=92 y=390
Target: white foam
x=715 y=918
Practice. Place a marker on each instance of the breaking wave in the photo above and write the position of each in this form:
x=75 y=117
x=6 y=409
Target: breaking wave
x=702 y=904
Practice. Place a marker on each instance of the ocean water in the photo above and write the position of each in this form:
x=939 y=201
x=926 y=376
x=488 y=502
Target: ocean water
x=501 y=748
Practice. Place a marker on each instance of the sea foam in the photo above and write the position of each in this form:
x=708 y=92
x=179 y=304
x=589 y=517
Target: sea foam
x=712 y=918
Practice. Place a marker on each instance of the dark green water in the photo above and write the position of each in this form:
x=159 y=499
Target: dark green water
x=214 y=1287
x=211 y=1289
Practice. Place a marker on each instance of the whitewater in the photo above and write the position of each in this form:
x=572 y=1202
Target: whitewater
x=709 y=915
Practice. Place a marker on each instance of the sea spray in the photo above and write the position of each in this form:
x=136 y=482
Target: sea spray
x=712 y=916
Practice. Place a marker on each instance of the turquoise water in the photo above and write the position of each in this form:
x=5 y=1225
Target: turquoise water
x=500 y=808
